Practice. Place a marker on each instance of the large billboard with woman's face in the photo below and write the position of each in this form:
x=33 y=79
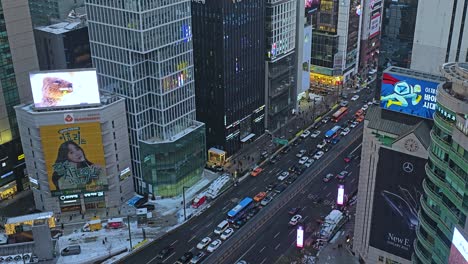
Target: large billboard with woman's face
x=74 y=158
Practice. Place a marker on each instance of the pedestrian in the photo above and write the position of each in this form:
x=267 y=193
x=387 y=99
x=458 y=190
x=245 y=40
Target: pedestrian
x=105 y=239
x=103 y=242
x=62 y=226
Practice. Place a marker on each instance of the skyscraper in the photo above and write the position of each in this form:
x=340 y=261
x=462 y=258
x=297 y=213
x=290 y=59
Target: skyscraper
x=45 y=12
x=440 y=29
x=229 y=48
x=143 y=51
x=444 y=202
x=17 y=58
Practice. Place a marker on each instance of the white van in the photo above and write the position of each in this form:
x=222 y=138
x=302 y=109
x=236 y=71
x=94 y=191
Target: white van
x=221 y=227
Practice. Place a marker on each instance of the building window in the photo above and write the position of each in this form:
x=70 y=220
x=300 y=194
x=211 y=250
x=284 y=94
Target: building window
x=381 y=259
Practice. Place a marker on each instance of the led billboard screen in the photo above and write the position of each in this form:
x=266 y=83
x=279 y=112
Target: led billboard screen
x=306 y=54
x=59 y=89
x=340 y=196
x=300 y=237
x=459 y=249
x=396 y=200
x=74 y=158
x=311 y=5
x=408 y=95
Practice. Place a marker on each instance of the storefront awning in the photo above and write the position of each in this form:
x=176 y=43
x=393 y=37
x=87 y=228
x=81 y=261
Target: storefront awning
x=251 y=135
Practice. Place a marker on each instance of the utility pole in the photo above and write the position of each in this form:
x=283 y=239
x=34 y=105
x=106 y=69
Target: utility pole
x=183 y=193
x=129 y=232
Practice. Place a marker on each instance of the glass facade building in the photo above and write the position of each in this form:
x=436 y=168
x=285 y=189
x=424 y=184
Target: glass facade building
x=229 y=48
x=143 y=51
x=444 y=204
x=44 y=12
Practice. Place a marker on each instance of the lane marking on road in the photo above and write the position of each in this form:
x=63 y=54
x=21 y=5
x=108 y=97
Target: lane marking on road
x=353 y=180
x=328 y=194
x=174 y=242
x=290 y=232
x=207 y=225
x=360 y=144
x=193 y=227
x=225 y=207
x=350 y=174
x=304 y=207
x=192 y=238
x=246 y=252
x=263 y=248
x=277 y=234
x=277 y=246
x=305 y=218
x=347 y=166
x=263 y=261
x=255 y=187
x=191 y=250
x=173 y=253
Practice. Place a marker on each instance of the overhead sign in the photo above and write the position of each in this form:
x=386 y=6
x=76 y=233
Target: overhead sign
x=408 y=95
x=59 y=89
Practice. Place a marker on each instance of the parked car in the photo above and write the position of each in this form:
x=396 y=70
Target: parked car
x=315 y=134
x=345 y=131
x=238 y=224
x=71 y=250
x=309 y=163
x=325 y=119
x=301 y=153
x=321 y=144
x=198 y=257
x=295 y=220
x=214 y=245
x=227 y=233
x=305 y=134
x=283 y=175
x=328 y=177
x=318 y=155
x=266 y=201
x=185 y=258
x=204 y=242
x=260 y=196
x=303 y=160
x=355 y=97
x=344 y=103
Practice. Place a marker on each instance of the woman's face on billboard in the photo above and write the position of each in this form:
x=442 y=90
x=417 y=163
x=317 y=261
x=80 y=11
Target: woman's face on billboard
x=75 y=154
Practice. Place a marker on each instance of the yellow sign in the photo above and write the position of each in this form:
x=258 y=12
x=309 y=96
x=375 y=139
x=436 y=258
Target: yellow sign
x=74 y=158
x=20 y=157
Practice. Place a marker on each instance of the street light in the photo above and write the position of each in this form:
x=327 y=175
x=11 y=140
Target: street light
x=183 y=193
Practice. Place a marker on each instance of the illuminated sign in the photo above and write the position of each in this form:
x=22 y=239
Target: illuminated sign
x=69 y=197
x=6 y=175
x=408 y=95
x=125 y=173
x=340 y=198
x=20 y=157
x=93 y=194
x=32 y=180
x=300 y=237
x=58 y=89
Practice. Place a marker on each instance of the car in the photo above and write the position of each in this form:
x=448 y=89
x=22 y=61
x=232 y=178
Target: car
x=327 y=147
x=316 y=125
x=315 y=134
x=198 y=257
x=280 y=188
x=286 y=149
x=256 y=172
x=214 y=245
x=355 y=97
x=318 y=155
x=328 y=177
x=294 y=210
x=342 y=175
x=354 y=124
x=301 y=153
x=253 y=211
x=259 y=196
x=300 y=170
x=325 y=119
x=238 y=224
x=283 y=175
x=344 y=103
x=364 y=107
x=360 y=119
x=271 y=186
x=321 y=144
x=305 y=134
x=348 y=158
x=185 y=258
x=266 y=201
x=264 y=154
x=309 y=163
x=274 y=160
x=303 y=160
x=71 y=250
x=359 y=112
x=295 y=220
x=204 y=242
x=345 y=131
x=296 y=142
x=165 y=252
x=335 y=140
x=227 y=233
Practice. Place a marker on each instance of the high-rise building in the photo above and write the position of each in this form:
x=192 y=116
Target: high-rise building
x=229 y=53
x=440 y=31
x=335 y=42
x=370 y=34
x=281 y=62
x=398 y=24
x=46 y=12
x=17 y=59
x=146 y=57
x=444 y=203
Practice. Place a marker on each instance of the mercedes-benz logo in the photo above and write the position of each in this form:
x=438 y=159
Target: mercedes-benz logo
x=408 y=167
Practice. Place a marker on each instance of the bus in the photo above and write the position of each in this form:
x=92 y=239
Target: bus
x=339 y=114
x=333 y=133
x=237 y=212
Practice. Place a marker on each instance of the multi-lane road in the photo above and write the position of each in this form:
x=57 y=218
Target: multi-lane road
x=274 y=238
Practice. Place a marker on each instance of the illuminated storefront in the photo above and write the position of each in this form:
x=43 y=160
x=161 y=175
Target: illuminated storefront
x=8 y=190
x=317 y=78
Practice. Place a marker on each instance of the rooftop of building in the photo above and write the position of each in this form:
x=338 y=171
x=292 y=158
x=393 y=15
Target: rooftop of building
x=415 y=73
x=399 y=124
x=62 y=27
x=457 y=76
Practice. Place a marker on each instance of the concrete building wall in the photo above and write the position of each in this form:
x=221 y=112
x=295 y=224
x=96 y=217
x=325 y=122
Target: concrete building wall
x=113 y=124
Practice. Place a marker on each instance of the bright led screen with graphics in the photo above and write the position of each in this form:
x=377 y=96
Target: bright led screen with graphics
x=74 y=158
x=459 y=249
x=58 y=89
x=408 y=95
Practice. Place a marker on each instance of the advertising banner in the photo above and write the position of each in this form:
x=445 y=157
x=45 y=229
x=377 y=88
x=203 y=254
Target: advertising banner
x=396 y=202
x=374 y=26
x=311 y=6
x=74 y=158
x=408 y=95
x=459 y=249
x=307 y=53
x=58 y=89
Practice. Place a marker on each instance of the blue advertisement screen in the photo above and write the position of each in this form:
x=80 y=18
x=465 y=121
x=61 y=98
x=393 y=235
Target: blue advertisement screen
x=408 y=95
